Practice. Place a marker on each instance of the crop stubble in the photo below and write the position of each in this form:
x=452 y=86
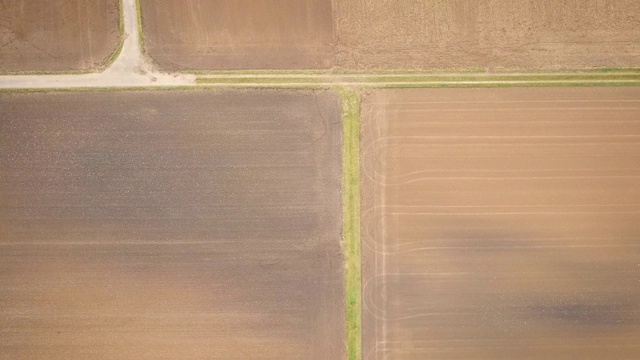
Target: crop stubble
x=57 y=35
x=164 y=225
x=501 y=223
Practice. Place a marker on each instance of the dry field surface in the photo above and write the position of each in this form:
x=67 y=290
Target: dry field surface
x=382 y=34
x=238 y=34
x=57 y=35
x=487 y=33
x=170 y=225
x=501 y=224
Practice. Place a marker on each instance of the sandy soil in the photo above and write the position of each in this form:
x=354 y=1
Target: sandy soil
x=501 y=224
x=238 y=34
x=57 y=35
x=170 y=225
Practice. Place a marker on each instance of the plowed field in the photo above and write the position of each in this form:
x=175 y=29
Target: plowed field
x=238 y=34
x=382 y=34
x=57 y=35
x=450 y=34
x=170 y=225
x=501 y=224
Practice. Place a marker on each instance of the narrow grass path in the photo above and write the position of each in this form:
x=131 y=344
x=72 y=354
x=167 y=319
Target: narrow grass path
x=351 y=218
x=420 y=80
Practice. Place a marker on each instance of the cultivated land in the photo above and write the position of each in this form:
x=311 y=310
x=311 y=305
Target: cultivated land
x=501 y=223
x=166 y=225
x=454 y=34
x=238 y=34
x=384 y=35
x=57 y=35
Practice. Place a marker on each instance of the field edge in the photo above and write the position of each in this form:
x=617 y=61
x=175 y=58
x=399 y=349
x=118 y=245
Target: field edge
x=140 y=27
x=351 y=217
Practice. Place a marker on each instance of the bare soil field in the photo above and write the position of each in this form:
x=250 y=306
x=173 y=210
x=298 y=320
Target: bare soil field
x=57 y=35
x=238 y=34
x=171 y=225
x=450 y=34
x=381 y=34
x=501 y=224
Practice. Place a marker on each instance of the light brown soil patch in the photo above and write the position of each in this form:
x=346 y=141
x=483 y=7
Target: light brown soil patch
x=171 y=225
x=501 y=224
x=238 y=34
x=57 y=35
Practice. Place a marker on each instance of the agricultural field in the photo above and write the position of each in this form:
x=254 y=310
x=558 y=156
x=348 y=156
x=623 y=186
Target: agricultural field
x=383 y=35
x=238 y=34
x=501 y=223
x=57 y=35
x=461 y=34
x=171 y=225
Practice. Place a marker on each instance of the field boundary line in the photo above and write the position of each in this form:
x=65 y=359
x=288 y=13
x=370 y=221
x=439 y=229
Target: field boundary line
x=140 y=27
x=351 y=220
x=419 y=80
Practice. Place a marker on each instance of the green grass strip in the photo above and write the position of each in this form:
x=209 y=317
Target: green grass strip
x=261 y=80
x=320 y=79
x=140 y=33
x=351 y=217
x=114 y=55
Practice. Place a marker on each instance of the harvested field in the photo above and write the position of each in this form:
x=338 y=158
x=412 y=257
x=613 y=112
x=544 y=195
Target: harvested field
x=381 y=34
x=449 y=34
x=57 y=35
x=171 y=225
x=238 y=34
x=501 y=223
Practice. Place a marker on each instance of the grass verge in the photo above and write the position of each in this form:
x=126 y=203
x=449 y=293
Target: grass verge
x=140 y=33
x=351 y=218
x=368 y=80
x=114 y=55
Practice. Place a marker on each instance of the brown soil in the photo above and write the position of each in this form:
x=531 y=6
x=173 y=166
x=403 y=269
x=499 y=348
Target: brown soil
x=449 y=34
x=238 y=34
x=57 y=35
x=382 y=34
x=170 y=225
x=501 y=224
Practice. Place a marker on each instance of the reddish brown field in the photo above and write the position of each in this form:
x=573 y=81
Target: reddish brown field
x=238 y=34
x=501 y=224
x=171 y=225
x=382 y=34
x=57 y=35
